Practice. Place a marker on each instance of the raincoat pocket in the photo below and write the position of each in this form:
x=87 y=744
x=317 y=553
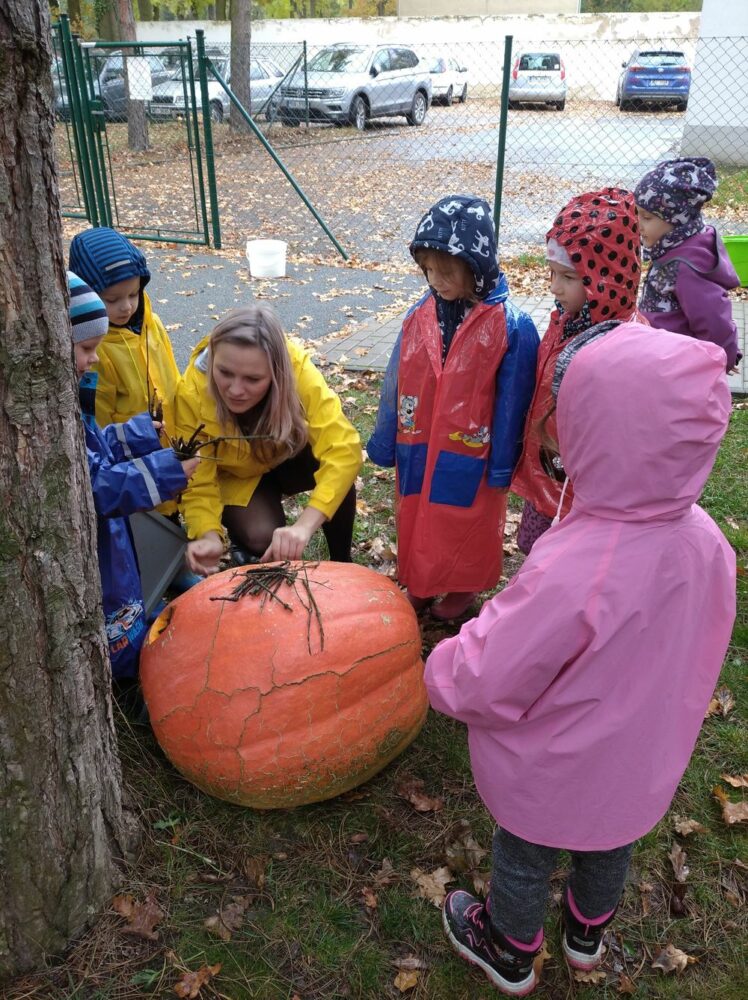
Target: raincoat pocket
x=410 y=460
x=456 y=479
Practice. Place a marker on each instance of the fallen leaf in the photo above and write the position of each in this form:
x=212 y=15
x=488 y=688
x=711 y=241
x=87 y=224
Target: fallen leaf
x=482 y=882
x=732 y=812
x=678 y=861
x=541 y=959
x=722 y=703
x=386 y=873
x=413 y=790
x=358 y=838
x=464 y=853
x=741 y=781
x=369 y=897
x=685 y=827
x=229 y=918
x=672 y=959
x=409 y=963
x=591 y=976
x=253 y=868
x=626 y=985
x=431 y=885
x=406 y=980
x=141 y=917
x=191 y=983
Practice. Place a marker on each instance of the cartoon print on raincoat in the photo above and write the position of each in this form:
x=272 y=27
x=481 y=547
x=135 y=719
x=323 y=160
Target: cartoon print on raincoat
x=129 y=472
x=452 y=410
x=600 y=233
x=625 y=606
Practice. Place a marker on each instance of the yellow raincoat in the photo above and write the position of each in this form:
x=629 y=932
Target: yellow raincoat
x=131 y=367
x=233 y=477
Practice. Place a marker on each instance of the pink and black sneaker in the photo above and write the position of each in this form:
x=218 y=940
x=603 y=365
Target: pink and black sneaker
x=583 y=938
x=507 y=963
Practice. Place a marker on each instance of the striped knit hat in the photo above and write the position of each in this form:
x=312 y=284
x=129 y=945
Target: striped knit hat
x=88 y=316
x=104 y=257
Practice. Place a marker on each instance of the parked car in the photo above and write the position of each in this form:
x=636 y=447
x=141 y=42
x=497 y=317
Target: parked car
x=146 y=75
x=654 y=76
x=538 y=78
x=448 y=80
x=264 y=77
x=354 y=83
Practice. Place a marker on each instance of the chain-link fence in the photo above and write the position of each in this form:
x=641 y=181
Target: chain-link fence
x=374 y=134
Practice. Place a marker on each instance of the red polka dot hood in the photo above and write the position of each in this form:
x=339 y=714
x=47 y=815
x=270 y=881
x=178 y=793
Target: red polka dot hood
x=600 y=233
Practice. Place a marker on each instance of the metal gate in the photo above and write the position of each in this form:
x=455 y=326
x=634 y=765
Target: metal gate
x=133 y=145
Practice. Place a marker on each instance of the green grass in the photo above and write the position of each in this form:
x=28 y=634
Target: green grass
x=307 y=932
x=733 y=188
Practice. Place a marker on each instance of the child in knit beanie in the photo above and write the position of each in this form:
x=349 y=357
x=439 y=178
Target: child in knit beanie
x=129 y=472
x=690 y=275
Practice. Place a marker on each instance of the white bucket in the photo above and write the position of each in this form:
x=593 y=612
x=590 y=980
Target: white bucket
x=267 y=258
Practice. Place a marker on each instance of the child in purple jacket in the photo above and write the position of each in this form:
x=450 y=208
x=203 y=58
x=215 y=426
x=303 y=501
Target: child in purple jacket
x=690 y=275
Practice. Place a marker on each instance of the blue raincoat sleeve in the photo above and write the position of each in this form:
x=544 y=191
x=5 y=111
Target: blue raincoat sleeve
x=515 y=384
x=133 y=438
x=381 y=445
x=139 y=483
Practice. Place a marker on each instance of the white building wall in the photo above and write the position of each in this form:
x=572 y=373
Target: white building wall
x=483 y=8
x=719 y=93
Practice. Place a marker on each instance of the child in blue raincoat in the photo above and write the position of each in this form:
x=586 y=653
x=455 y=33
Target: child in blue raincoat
x=453 y=408
x=129 y=471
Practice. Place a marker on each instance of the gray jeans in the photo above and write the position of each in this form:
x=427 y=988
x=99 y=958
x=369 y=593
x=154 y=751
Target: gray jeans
x=521 y=874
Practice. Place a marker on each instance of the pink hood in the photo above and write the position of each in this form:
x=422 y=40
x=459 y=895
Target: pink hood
x=585 y=682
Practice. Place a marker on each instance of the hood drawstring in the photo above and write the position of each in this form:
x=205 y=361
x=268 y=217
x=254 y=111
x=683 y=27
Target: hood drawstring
x=557 y=518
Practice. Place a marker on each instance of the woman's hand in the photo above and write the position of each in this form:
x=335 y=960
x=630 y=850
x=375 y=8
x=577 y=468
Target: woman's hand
x=189 y=466
x=290 y=541
x=204 y=554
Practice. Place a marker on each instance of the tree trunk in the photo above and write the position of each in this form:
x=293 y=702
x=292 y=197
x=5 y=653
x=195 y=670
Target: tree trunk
x=62 y=825
x=241 y=39
x=145 y=9
x=74 y=13
x=220 y=10
x=137 y=120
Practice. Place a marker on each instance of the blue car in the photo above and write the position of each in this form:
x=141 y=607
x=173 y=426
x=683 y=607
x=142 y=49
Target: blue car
x=654 y=76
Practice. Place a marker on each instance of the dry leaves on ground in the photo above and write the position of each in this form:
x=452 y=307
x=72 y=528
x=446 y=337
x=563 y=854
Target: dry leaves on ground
x=369 y=898
x=590 y=976
x=541 y=959
x=672 y=959
x=432 y=885
x=413 y=790
x=463 y=852
x=732 y=812
x=191 y=983
x=678 y=861
x=229 y=918
x=407 y=980
x=739 y=781
x=141 y=917
x=685 y=826
x=722 y=703
x=626 y=985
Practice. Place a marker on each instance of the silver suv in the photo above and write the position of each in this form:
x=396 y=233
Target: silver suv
x=349 y=84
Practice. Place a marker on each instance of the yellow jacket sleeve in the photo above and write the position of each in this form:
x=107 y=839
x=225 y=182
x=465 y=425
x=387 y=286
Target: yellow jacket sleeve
x=164 y=373
x=201 y=505
x=106 y=391
x=333 y=438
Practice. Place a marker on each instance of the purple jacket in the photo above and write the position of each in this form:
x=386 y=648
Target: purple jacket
x=585 y=681
x=686 y=291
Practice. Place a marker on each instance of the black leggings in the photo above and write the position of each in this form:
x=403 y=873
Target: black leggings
x=252 y=527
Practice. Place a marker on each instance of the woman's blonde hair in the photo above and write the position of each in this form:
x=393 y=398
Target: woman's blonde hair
x=278 y=421
x=421 y=255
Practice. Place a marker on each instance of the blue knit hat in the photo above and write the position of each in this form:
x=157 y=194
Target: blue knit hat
x=88 y=316
x=104 y=257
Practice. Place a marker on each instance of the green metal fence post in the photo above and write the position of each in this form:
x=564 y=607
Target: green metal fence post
x=208 y=134
x=76 y=117
x=306 y=88
x=502 y=131
x=90 y=138
x=97 y=123
x=198 y=153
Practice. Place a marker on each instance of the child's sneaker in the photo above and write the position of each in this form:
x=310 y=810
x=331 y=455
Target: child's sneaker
x=467 y=926
x=582 y=939
x=452 y=605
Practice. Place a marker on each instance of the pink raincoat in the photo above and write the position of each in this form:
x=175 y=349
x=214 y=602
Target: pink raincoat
x=585 y=682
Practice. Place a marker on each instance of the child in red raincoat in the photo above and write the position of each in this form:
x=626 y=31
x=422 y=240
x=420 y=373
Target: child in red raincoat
x=453 y=408
x=594 y=257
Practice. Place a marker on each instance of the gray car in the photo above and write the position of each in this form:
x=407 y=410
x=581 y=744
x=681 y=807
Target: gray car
x=264 y=78
x=350 y=84
x=538 y=78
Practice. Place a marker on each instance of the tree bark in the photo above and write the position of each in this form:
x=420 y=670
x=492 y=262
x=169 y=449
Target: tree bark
x=137 y=119
x=241 y=40
x=220 y=10
x=145 y=10
x=62 y=824
x=74 y=13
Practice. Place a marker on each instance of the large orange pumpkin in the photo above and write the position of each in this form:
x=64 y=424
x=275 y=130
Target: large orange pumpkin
x=270 y=707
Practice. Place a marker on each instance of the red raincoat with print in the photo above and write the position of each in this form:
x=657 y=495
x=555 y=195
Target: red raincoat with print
x=600 y=233
x=450 y=521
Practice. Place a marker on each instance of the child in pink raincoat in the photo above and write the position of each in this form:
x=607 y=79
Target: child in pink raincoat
x=585 y=681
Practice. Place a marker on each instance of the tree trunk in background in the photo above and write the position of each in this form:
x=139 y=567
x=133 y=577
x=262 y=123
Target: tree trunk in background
x=61 y=820
x=241 y=37
x=220 y=10
x=74 y=13
x=137 y=120
x=145 y=10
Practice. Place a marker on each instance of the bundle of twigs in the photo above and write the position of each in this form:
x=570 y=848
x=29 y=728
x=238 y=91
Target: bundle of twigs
x=266 y=580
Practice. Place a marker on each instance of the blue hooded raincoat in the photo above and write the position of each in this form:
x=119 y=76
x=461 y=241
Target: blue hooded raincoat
x=452 y=412
x=129 y=471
